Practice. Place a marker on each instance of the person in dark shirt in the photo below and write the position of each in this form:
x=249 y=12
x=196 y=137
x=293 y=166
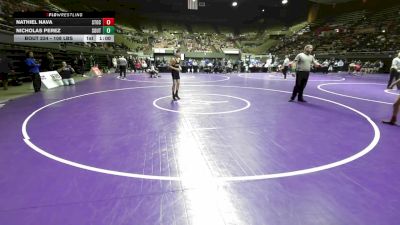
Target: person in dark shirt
x=175 y=67
x=33 y=70
x=92 y=61
x=66 y=72
x=5 y=69
x=48 y=62
x=81 y=63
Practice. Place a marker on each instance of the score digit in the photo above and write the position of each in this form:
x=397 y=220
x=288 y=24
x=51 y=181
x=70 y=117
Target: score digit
x=108 y=30
x=108 y=21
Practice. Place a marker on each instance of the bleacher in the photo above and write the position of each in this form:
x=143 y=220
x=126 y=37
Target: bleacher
x=276 y=30
x=385 y=14
x=203 y=29
x=350 y=18
x=205 y=37
x=298 y=27
x=357 y=32
x=226 y=30
x=149 y=27
x=173 y=27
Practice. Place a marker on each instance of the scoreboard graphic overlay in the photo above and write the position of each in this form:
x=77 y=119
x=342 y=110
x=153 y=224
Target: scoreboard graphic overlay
x=64 y=26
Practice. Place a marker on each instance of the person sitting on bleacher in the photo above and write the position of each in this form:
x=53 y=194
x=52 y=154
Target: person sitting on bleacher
x=5 y=69
x=66 y=72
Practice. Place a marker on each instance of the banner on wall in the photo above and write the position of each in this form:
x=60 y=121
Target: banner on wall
x=231 y=51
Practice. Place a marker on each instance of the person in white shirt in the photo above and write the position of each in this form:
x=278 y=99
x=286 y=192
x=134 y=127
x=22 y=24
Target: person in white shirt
x=114 y=62
x=122 y=66
x=394 y=72
x=195 y=66
x=268 y=64
x=202 y=64
x=229 y=66
x=153 y=71
x=396 y=107
x=303 y=62
x=285 y=69
x=340 y=65
x=325 y=66
x=246 y=67
x=144 y=65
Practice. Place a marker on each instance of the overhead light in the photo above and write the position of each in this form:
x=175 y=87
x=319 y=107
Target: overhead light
x=234 y=4
x=194 y=0
x=284 y=2
x=263 y=10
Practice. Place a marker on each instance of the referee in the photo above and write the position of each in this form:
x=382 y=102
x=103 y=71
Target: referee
x=303 y=63
x=396 y=107
x=122 y=66
x=286 y=63
x=395 y=72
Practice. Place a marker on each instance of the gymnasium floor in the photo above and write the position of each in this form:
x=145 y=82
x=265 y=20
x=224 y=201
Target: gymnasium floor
x=233 y=150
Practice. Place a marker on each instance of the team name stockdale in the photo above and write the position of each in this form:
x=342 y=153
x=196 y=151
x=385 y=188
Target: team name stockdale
x=33 y=22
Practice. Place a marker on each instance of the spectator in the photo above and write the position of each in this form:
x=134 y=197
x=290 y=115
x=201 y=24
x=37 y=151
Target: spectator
x=394 y=72
x=5 y=69
x=92 y=61
x=114 y=62
x=340 y=65
x=153 y=71
x=48 y=62
x=66 y=72
x=33 y=70
x=285 y=69
x=81 y=63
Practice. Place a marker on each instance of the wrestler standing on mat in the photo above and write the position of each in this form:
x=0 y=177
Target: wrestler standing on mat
x=175 y=69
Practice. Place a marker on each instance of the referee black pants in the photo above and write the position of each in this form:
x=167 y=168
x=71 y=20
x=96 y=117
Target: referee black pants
x=394 y=75
x=301 y=82
x=284 y=71
x=122 y=69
